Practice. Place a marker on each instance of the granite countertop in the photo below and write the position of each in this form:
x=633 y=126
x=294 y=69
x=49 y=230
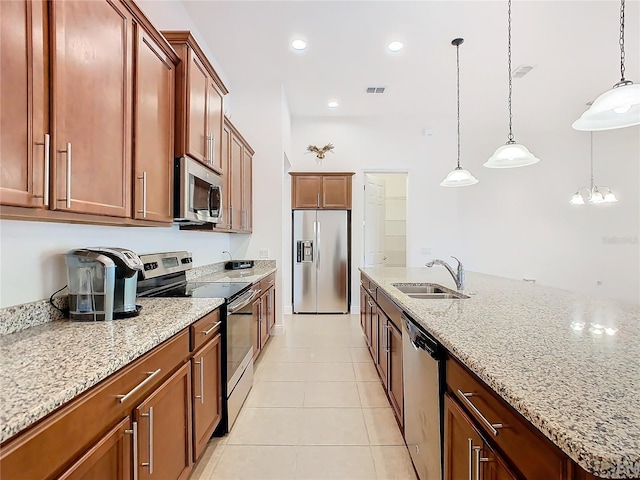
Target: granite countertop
x=569 y=363
x=45 y=366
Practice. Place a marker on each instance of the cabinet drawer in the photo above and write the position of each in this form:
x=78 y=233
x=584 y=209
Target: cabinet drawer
x=389 y=307
x=533 y=454
x=67 y=432
x=267 y=282
x=205 y=329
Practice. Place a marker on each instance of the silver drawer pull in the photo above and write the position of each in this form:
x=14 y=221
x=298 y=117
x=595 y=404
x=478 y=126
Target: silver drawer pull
x=134 y=432
x=150 y=446
x=124 y=398
x=201 y=363
x=207 y=332
x=491 y=426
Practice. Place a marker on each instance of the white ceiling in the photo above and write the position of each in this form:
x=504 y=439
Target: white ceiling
x=573 y=43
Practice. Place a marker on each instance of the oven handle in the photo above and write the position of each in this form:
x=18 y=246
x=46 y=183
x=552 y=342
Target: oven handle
x=243 y=301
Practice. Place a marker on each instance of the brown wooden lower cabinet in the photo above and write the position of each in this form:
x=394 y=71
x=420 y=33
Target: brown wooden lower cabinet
x=207 y=393
x=164 y=429
x=382 y=364
x=466 y=455
x=395 y=385
x=108 y=459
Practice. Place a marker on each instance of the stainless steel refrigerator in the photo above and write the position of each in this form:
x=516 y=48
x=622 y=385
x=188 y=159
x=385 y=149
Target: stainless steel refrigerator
x=321 y=261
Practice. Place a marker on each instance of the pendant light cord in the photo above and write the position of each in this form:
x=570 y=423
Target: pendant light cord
x=622 y=54
x=591 y=161
x=510 y=86
x=458 y=96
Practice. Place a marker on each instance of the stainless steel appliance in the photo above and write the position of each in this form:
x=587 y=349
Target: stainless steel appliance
x=423 y=376
x=165 y=276
x=102 y=283
x=197 y=193
x=321 y=261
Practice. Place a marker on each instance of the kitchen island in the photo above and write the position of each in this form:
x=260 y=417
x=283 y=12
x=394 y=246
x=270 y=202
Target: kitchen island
x=567 y=363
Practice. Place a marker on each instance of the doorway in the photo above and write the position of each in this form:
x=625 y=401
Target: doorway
x=385 y=219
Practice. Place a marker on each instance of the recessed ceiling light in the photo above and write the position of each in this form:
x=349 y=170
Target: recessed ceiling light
x=333 y=104
x=299 y=44
x=395 y=46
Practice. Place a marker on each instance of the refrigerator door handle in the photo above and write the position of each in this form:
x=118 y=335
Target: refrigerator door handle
x=318 y=247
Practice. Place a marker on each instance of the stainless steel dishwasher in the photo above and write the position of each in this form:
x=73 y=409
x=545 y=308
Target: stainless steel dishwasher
x=423 y=375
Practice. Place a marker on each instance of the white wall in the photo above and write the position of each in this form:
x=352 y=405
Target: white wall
x=31 y=252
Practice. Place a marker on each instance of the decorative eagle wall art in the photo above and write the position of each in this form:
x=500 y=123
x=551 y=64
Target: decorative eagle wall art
x=320 y=152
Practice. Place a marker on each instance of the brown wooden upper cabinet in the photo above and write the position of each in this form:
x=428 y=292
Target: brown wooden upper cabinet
x=72 y=156
x=321 y=190
x=199 y=112
x=237 y=177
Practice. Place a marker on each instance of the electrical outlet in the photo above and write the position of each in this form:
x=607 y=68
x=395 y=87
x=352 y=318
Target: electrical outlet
x=425 y=251
x=264 y=253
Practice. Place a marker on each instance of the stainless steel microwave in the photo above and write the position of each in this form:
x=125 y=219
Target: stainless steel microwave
x=197 y=193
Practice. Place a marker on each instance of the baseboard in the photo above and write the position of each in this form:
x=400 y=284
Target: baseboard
x=288 y=310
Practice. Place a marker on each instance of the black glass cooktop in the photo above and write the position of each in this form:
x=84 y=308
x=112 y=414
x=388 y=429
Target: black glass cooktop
x=226 y=290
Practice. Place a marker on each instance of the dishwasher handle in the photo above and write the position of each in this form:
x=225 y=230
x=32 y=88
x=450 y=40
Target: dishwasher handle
x=421 y=340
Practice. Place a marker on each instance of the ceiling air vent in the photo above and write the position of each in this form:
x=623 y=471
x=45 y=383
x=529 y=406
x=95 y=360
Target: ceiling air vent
x=522 y=70
x=375 y=89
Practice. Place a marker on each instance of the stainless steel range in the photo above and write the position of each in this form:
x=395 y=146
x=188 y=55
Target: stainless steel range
x=164 y=275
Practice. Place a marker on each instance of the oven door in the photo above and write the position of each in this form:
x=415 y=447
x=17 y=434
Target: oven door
x=239 y=337
x=198 y=193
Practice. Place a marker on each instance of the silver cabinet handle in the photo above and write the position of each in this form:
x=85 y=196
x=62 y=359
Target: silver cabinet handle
x=464 y=396
x=144 y=194
x=324 y=199
x=68 y=152
x=134 y=432
x=47 y=146
x=387 y=342
x=479 y=458
x=201 y=363
x=150 y=446
x=124 y=398
x=470 y=458
x=213 y=327
x=212 y=149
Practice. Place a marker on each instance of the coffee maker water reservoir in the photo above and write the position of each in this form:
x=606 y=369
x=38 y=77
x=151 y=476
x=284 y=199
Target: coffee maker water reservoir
x=102 y=283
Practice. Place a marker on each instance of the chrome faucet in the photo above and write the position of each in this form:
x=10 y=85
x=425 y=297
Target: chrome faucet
x=458 y=276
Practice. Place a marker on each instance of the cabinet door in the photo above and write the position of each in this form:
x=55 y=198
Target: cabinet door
x=236 y=183
x=375 y=332
x=226 y=178
x=164 y=429
x=493 y=466
x=24 y=96
x=247 y=191
x=214 y=126
x=383 y=349
x=264 y=328
x=336 y=192
x=153 y=131
x=460 y=440
x=368 y=320
x=91 y=66
x=207 y=393
x=395 y=389
x=271 y=309
x=306 y=191
x=197 y=84
x=257 y=312
x=108 y=459
x=363 y=310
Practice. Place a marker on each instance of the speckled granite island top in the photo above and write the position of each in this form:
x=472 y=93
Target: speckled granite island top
x=570 y=364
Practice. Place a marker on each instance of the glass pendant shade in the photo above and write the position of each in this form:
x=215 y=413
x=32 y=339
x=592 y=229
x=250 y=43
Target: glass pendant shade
x=577 y=199
x=610 y=198
x=511 y=155
x=615 y=108
x=459 y=177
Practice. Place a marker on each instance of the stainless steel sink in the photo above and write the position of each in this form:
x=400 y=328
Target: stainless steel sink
x=428 y=291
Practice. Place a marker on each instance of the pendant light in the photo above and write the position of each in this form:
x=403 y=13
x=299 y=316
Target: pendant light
x=511 y=154
x=594 y=194
x=458 y=177
x=615 y=108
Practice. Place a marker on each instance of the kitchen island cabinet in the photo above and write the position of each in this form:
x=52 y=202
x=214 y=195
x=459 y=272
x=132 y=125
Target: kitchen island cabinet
x=512 y=368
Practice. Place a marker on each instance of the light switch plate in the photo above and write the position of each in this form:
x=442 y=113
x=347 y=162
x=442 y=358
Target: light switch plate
x=264 y=253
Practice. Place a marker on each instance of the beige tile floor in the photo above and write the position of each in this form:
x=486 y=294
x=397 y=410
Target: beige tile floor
x=317 y=410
